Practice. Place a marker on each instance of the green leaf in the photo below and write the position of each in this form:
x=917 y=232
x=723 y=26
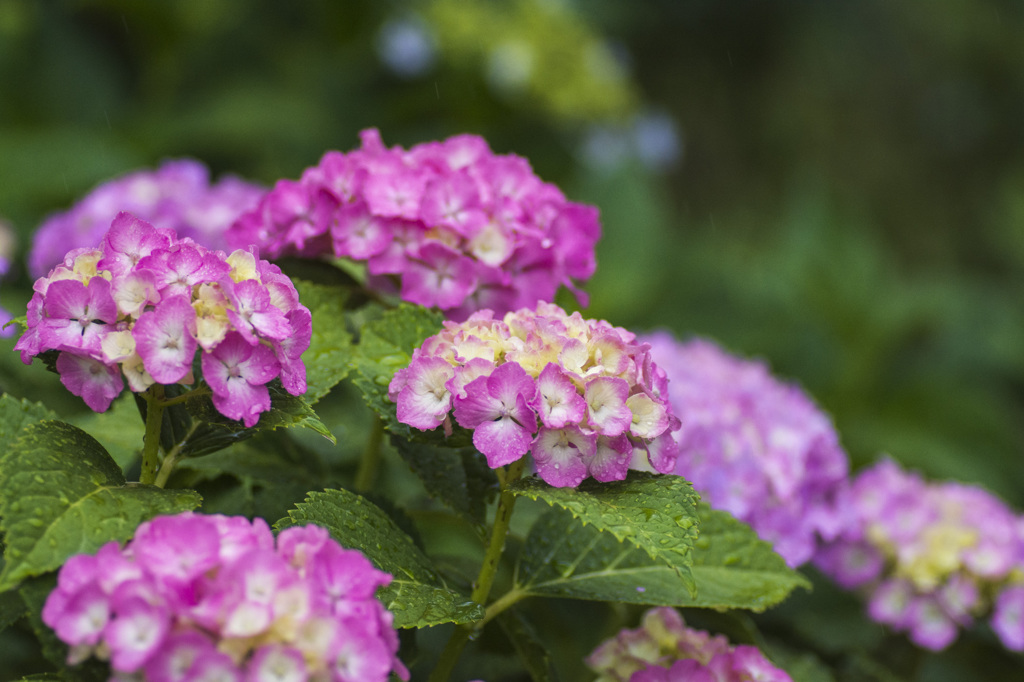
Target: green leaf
x=460 y=478
x=531 y=650
x=64 y=495
x=11 y=608
x=417 y=595
x=19 y=323
x=732 y=568
x=656 y=513
x=330 y=351
x=802 y=666
x=33 y=593
x=119 y=429
x=16 y=414
x=196 y=428
x=273 y=460
x=263 y=477
x=563 y=558
x=385 y=346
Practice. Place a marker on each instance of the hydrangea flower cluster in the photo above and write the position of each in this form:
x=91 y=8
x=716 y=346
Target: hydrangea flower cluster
x=753 y=445
x=195 y=597
x=932 y=556
x=597 y=395
x=142 y=303
x=664 y=649
x=448 y=224
x=177 y=195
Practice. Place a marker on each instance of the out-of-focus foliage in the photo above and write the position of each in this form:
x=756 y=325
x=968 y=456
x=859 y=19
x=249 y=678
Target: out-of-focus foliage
x=539 y=47
x=836 y=187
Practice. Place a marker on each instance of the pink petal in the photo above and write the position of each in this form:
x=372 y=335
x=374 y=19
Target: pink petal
x=439 y=277
x=165 y=339
x=559 y=454
x=559 y=402
x=611 y=459
x=359 y=234
x=424 y=401
x=502 y=441
x=93 y=381
x=606 y=400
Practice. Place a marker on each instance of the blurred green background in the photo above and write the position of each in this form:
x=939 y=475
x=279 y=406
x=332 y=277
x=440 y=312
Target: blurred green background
x=837 y=187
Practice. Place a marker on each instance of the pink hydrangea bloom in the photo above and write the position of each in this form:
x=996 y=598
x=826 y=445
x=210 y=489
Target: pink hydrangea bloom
x=178 y=195
x=931 y=557
x=213 y=597
x=664 y=649
x=754 y=446
x=447 y=224
x=583 y=396
x=140 y=306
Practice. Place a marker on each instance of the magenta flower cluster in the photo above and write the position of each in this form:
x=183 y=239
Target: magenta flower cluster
x=583 y=396
x=195 y=597
x=447 y=224
x=178 y=195
x=664 y=649
x=932 y=557
x=140 y=305
x=754 y=446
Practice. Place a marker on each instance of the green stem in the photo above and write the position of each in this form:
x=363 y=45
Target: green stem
x=504 y=602
x=370 y=460
x=151 y=441
x=194 y=393
x=171 y=458
x=482 y=587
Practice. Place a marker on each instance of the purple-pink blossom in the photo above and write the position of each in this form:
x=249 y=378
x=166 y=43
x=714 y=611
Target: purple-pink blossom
x=582 y=396
x=931 y=558
x=447 y=224
x=178 y=195
x=665 y=649
x=753 y=445
x=139 y=306
x=214 y=597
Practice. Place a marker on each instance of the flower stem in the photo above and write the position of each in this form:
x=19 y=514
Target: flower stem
x=482 y=587
x=194 y=393
x=151 y=441
x=370 y=460
x=504 y=602
x=171 y=458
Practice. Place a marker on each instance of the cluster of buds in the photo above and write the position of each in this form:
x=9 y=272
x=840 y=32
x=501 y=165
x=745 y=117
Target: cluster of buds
x=446 y=224
x=598 y=396
x=754 y=446
x=178 y=195
x=664 y=649
x=195 y=597
x=931 y=556
x=141 y=305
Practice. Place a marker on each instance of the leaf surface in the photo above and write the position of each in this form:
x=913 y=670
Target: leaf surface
x=329 y=356
x=16 y=414
x=417 y=595
x=531 y=650
x=64 y=495
x=385 y=346
x=731 y=567
x=458 y=477
x=658 y=514
x=196 y=428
